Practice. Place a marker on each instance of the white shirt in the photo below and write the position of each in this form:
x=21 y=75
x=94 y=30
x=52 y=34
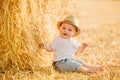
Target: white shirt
x=64 y=48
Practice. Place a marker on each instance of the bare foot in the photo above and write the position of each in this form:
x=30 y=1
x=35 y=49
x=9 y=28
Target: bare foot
x=100 y=68
x=97 y=69
x=93 y=70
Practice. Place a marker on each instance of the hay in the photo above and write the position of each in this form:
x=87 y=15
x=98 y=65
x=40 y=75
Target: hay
x=16 y=51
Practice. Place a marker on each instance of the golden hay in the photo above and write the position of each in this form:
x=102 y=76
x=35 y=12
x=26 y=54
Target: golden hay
x=25 y=23
x=16 y=48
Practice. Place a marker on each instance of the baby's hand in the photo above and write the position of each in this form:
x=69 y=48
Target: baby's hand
x=84 y=45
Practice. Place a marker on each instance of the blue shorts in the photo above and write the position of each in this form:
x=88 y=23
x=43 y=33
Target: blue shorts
x=68 y=64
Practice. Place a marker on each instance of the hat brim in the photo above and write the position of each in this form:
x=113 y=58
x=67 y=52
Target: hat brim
x=77 y=28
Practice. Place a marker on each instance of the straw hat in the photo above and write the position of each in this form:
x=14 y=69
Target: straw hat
x=70 y=19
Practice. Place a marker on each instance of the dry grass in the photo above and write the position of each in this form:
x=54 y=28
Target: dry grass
x=23 y=22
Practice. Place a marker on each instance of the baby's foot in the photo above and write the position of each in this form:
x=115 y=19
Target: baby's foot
x=93 y=70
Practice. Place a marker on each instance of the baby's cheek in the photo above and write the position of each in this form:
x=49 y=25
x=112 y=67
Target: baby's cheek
x=73 y=33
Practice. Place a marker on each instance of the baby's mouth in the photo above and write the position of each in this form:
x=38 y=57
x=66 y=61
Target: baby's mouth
x=64 y=34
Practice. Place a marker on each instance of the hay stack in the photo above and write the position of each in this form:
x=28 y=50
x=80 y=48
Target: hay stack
x=21 y=21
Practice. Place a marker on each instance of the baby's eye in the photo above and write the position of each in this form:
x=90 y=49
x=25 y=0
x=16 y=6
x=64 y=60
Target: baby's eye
x=64 y=28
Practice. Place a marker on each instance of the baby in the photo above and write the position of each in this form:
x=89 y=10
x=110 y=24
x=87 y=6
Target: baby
x=64 y=48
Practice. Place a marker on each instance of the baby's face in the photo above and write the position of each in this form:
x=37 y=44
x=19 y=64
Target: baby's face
x=67 y=30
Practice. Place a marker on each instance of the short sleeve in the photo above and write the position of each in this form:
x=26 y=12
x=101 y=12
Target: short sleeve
x=53 y=45
x=76 y=44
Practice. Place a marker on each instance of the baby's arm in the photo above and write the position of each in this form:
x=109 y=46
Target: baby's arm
x=82 y=47
x=43 y=45
x=46 y=47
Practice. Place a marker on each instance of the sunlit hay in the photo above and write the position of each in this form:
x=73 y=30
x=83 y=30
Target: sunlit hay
x=18 y=48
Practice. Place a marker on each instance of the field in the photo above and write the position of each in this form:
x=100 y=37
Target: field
x=100 y=24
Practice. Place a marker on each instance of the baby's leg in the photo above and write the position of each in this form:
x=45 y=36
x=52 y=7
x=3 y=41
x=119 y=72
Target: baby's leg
x=84 y=69
x=100 y=68
x=89 y=66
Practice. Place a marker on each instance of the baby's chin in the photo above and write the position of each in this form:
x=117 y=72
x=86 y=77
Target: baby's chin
x=65 y=36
